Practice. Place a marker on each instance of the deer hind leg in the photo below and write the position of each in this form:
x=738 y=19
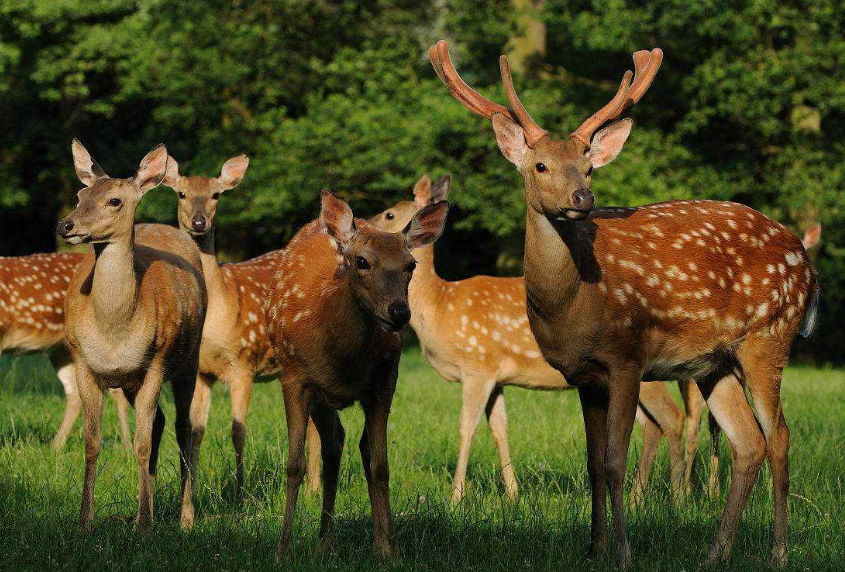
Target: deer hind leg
x=726 y=400
x=66 y=372
x=763 y=377
x=594 y=406
x=92 y=403
x=331 y=438
x=240 y=392
x=296 y=413
x=312 y=467
x=715 y=434
x=200 y=405
x=693 y=404
x=476 y=395
x=183 y=392
x=655 y=398
x=651 y=440
x=497 y=418
x=122 y=406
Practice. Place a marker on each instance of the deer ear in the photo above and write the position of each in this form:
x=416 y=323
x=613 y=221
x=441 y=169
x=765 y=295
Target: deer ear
x=86 y=167
x=812 y=236
x=607 y=143
x=171 y=174
x=233 y=172
x=336 y=217
x=422 y=191
x=152 y=169
x=510 y=138
x=441 y=189
x=426 y=226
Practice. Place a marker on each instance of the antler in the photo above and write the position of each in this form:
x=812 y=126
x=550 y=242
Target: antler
x=438 y=54
x=646 y=65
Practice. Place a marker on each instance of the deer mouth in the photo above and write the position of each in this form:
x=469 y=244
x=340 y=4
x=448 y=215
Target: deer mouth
x=389 y=326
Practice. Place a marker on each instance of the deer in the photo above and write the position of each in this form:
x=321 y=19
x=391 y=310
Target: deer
x=134 y=317
x=335 y=315
x=475 y=331
x=235 y=348
x=32 y=320
x=712 y=291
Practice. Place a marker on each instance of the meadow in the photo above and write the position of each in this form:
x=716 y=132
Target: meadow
x=546 y=529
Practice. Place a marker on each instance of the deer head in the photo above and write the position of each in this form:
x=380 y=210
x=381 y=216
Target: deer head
x=380 y=263
x=397 y=217
x=557 y=173
x=106 y=208
x=198 y=196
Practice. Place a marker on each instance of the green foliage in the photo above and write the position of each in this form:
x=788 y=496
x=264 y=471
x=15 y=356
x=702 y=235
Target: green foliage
x=749 y=106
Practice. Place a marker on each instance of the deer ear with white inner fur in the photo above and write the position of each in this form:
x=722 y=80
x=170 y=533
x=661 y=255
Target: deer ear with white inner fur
x=153 y=167
x=233 y=172
x=426 y=226
x=86 y=167
x=171 y=174
x=422 y=191
x=336 y=217
x=510 y=138
x=440 y=190
x=607 y=143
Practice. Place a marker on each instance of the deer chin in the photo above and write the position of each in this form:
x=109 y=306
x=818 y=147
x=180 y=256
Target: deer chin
x=388 y=326
x=573 y=214
x=77 y=238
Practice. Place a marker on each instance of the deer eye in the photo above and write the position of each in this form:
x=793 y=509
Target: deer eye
x=114 y=202
x=362 y=263
x=411 y=267
x=389 y=216
x=541 y=167
x=215 y=196
x=181 y=195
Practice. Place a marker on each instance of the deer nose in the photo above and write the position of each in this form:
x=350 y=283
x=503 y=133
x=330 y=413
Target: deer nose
x=198 y=222
x=583 y=200
x=64 y=227
x=400 y=313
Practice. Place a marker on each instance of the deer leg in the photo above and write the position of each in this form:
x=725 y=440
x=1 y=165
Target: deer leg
x=296 y=412
x=476 y=395
x=651 y=440
x=122 y=407
x=764 y=379
x=624 y=393
x=147 y=439
x=594 y=405
x=66 y=373
x=728 y=405
x=657 y=401
x=91 y=397
x=715 y=434
x=183 y=392
x=373 y=448
x=312 y=468
x=331 y=438
x=497 y=418
x=693 y=404
x=240 y=392
x=200 y=404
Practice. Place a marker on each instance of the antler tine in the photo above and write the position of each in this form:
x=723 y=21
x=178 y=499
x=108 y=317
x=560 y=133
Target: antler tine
x=646 y=65
x=607 y=113
x=533 y=132
x=438 y=54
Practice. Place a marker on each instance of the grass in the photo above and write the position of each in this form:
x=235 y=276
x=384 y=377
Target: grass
x=547 y=529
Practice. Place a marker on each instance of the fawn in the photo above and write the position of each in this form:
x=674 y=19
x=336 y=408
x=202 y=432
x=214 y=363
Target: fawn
x=32 y=319
x=235 y=347
x=334 y=315
x=475 y=331
x=135 y=310
x=706 y=290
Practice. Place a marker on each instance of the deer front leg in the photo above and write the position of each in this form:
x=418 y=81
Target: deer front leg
x=331 y=438
x=651 y=440
x=122 y=406
x=200 y=404
x=183 y=392
x=312 y=468
x=476 y=395
x=91 y=397
x=149 y=421
x=374 y=458
x=241 y=391
x=594 y=405
x=296 y=412
x=497 y=418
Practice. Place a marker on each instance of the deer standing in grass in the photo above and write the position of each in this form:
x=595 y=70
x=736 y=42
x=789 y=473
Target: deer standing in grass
x=135 y=311
x=475 y=331
x=235 y=348
x=32 y=320
x=706 y=290
x=334 y=316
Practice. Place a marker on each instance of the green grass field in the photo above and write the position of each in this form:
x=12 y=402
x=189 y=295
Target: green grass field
x=547 y=529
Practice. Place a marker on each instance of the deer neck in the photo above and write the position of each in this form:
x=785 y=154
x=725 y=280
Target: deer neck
x=114 y=291
x=349 y=327
x=424 y=290
x=210 y=268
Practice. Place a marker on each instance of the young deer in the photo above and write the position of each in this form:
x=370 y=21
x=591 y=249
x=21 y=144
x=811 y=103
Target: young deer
x=234 y=348
x=135 y=311
x=705 y=290
x=32 y=320
x=334 y=316
x=475 y=332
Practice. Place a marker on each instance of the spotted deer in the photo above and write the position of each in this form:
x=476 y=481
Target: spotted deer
x=235 y=348
x=707 y=290
x=475 y=332
x=134 y=316
x=32 y=320
x=334 y=315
